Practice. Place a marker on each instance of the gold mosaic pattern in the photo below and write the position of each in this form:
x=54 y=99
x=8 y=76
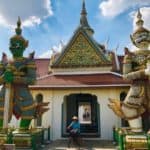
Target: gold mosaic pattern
x=141 y=58
x=81 y=53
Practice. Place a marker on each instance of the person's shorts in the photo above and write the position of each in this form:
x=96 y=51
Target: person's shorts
x=74 y=134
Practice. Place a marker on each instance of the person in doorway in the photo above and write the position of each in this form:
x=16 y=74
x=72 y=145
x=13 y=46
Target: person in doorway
x=74 y=131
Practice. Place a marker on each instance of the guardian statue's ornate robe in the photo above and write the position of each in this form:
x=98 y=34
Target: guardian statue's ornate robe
x=21 y=102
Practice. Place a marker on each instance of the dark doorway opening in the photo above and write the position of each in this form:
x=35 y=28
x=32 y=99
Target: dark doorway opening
x=84 y=106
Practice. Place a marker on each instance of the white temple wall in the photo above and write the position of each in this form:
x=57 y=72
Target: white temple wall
x=54 y=116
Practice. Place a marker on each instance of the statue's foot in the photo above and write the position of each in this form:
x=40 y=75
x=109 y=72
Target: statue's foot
x=136 y=124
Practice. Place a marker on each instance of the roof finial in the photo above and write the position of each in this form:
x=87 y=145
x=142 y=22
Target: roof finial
x=83 y=19
x=18 y=29
x=83 y=12
x=139 y=21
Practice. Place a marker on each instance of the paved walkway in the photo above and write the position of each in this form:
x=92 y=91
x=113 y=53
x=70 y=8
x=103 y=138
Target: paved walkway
x=87 y=145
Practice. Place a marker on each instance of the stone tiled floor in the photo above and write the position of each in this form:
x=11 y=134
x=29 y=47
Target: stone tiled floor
x=86 y=145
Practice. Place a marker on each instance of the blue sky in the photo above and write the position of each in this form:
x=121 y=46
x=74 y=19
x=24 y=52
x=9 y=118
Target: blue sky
x=47 y=22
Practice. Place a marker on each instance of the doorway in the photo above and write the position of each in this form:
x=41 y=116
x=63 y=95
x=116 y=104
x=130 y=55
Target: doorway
x=84 y=106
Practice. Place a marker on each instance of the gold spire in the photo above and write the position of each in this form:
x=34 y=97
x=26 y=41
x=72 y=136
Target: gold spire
x=83 y=12
x=83 y=19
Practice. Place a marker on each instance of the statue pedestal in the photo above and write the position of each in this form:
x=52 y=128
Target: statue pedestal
x=126 y=139
x=3 y=138
x=24 y=139
x=31 y=139
x=136 y=141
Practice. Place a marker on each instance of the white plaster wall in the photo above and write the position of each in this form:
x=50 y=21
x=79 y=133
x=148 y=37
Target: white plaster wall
x=107 y=118
x=54 y=117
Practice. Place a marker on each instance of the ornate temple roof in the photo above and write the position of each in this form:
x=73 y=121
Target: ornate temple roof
x=81 y=46
x=107 y=79
x=82 y=49
x=83 y=62
x=77 y=79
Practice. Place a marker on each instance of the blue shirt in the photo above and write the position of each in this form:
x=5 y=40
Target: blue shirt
x=75 y=125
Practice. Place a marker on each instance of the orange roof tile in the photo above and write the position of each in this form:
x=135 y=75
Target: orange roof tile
x=42 y=66
x=82 y=80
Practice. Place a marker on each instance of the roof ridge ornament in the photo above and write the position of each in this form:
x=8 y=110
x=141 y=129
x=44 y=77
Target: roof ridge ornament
x=83 y=12
x=83 y=19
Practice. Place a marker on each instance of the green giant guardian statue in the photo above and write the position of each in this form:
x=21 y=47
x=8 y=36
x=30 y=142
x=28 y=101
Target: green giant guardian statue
x=15 y=76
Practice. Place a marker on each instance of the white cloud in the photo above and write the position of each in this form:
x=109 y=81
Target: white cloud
x=2 y=20
x=55 y=49
x=112 y=8
x=30 y=11
x=32 y=21
x=46 y=54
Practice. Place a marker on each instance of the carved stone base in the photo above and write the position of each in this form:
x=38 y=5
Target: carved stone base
x=22 y=139
x=128 y=140
x=3 y=138
x=136 y=142
x=28 y=139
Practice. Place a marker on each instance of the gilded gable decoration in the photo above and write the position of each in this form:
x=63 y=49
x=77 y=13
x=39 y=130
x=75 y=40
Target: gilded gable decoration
x=82 y=50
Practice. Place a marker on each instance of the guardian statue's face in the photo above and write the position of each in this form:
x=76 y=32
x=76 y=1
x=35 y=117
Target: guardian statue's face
x=16 y=48
x=17 y=43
